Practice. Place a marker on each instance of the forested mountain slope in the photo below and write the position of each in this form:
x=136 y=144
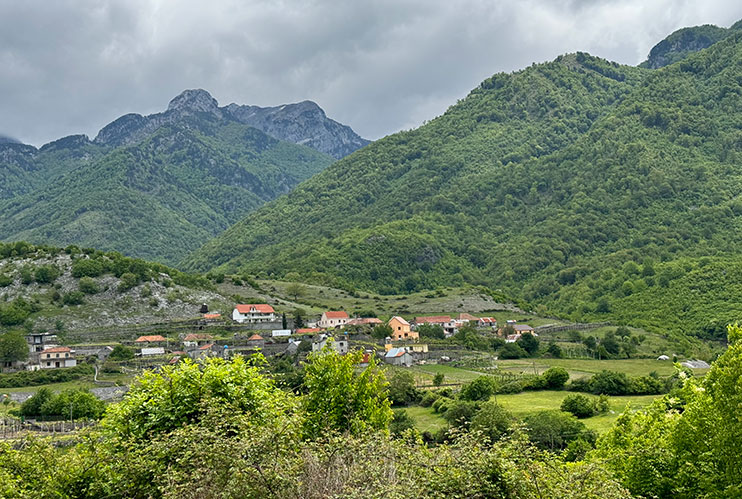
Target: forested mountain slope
x=393 y=215
x=159 y=186
x=546 y=183
x=164 y=195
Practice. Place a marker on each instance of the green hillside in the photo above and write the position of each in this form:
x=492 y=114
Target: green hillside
x=159 y=198
x=551 y=183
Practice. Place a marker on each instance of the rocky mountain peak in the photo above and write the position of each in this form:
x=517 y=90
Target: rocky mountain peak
x=194 y=100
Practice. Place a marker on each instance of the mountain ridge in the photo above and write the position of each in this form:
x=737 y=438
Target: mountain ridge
x=303 y=123
x=154 y=187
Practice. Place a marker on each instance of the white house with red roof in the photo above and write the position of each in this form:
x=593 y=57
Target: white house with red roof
x=55 y=357
x=260 y=312
x=332 y=319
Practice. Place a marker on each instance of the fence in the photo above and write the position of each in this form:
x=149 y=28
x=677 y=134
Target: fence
x=15 y=428
x=571 y=327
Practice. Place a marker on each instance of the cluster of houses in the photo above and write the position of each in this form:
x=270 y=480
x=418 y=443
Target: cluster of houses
x=330 y=330
x=44 y=352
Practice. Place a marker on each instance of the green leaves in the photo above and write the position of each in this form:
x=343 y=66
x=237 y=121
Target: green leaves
x=340 y=398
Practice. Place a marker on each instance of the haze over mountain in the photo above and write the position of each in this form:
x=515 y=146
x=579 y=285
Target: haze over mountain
x=159 y=186
x=570 y=183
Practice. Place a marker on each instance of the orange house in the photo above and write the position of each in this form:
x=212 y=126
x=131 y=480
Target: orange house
x=401 y=329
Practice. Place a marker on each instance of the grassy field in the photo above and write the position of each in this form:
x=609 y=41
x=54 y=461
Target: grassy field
x=426 y=419
x=521 y=404
x=524 y=403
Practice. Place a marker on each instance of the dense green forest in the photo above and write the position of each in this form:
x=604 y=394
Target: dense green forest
x=560 y=184
x=221 y=428
x=159 y=198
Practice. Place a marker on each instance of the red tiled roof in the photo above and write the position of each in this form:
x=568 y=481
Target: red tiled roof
x=150 y=339
x=336 y=315
x=401 y=320
x=522 y=327
x=255 y=337
x=366 y=358
x=305 y=330
x=57 y=350
x=212 y=316
x=262 y=308
x=197 y=336
x=206 y=347
x=434 y=319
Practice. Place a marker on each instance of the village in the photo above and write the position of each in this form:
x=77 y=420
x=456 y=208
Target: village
x=262 y=329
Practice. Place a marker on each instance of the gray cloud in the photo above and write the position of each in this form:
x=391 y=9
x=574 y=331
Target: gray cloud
x=72 y=66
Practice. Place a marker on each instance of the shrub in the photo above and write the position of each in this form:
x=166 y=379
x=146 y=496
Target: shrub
x=85 y=267
x=534 y=383
x=431 y=331
x=441 y=405
x=512 y=351
x=88 y=286
x=120 y=352
x=601 y=404
x=76 y=404
x=460 y=412
x=438 y=379
x=46 y=274
x=579 y=405
x=579 y=385
x=554 y=350
x=73 y=298
x=402 y=389
x=428 y=399
x=646 y=385
x=5 y=280
x=128 y=281
x=492 y=420
x=556 y=377
x=610 y=383
x=31 y=408
x=554 y=430
x=480 y=388
x=26 y=275
x=529 y=343
x=511 y=387
x=401 y=422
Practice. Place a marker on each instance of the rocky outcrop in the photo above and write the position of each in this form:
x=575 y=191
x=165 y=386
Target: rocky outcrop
x=302 y=123
x=683 y=42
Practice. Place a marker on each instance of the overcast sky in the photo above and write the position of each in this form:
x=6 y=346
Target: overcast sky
x=71 y=66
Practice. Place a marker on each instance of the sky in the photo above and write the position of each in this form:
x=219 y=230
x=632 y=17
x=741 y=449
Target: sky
x=73 y=66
